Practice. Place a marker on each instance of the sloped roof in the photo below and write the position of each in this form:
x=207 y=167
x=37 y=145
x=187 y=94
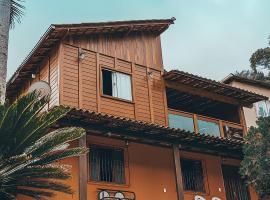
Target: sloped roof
x=145 y=131
x=56 y=32
x=243 y=96
x=231 y=77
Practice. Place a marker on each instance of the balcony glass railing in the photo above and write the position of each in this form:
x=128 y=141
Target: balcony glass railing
x=181 y=122
x=204 y=125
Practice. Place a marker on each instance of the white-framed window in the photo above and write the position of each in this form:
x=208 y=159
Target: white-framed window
x=262 y=108
x=116 y=84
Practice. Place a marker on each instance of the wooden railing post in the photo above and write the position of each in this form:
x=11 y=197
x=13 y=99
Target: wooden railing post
x=178 y=173
x=83 y=171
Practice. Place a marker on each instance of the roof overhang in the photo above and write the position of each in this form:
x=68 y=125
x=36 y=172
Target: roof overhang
x=133 y=130
x=209 y=88
x=231 y=77
x=56 y=32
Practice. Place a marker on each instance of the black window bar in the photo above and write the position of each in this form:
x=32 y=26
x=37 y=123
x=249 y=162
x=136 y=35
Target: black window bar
x=107 y=164
x=192 y=175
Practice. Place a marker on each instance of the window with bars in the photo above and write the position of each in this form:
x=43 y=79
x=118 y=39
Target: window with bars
x=234 y=185
x=107 y=164
x=192 y=175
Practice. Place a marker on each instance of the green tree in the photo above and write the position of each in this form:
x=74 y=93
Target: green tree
x=29 y=149
x=10 y=12
x=255 y=167
x=260 y=59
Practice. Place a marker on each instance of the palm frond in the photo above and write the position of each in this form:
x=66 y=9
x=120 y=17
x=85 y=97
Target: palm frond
x=29 y=151
x=16 y=12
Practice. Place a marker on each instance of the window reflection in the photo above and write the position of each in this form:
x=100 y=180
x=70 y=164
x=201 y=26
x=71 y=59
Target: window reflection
x=209 y=128
x=181 y=122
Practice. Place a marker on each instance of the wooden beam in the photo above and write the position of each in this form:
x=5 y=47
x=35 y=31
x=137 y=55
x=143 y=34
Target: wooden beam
x=242 y=119
x=201 y=92
x=178 y=172
x=83 y=171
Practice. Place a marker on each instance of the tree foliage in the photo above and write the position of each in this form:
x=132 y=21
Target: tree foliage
x=255 y=167
x=259 y=61
x=29 y=151
x=16 y=11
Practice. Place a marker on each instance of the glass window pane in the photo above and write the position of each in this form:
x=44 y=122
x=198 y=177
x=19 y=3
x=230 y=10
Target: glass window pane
x=261 y=109
x=209 y=128
x=181 y=122
x=121 y=86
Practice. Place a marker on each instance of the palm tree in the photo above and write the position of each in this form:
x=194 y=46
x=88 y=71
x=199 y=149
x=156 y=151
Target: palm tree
x=29 y=151
x=10 y=12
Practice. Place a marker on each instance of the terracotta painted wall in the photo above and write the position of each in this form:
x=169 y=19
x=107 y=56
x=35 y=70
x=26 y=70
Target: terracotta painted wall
x=250 y=113
x=150 y=169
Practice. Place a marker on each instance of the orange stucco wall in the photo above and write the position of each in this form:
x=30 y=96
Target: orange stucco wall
x=250 y=113
x=150 y=173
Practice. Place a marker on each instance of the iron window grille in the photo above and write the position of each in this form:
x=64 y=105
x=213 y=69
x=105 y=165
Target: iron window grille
x=192 y=175
x=107 y=164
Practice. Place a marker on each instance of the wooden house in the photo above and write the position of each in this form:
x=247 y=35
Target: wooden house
x=152 y=134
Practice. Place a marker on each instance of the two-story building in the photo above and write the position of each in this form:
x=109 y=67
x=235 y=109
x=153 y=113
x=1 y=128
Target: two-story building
x=152 y=134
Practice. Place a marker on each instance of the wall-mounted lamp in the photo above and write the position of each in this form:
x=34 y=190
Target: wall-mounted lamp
x=81 y=55
x=33 y=76
x=150 y=74
x=127 y=142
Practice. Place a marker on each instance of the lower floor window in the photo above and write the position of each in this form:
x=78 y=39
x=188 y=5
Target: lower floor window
x=192 y=175
x=107 y=164
x=234 y=185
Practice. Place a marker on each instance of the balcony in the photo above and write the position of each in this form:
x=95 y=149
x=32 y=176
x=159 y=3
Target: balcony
x=205 y=125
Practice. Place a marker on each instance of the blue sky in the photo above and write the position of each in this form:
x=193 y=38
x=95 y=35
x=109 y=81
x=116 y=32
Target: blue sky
x=211 y=38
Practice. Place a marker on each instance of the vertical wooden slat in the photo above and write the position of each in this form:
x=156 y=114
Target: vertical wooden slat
x=79 y=78
x=98 y=82
x=178 y=173
x=165 y=100
x=83 y=171
x=133 y=88
x=242 y=119
x=150 y=95
x=60 y=72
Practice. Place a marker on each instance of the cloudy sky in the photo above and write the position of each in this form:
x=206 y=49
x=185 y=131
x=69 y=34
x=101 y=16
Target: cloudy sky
x=211 y=38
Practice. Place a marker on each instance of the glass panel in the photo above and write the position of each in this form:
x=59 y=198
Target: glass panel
x=121 y=85
x=116 y=84
x=209 y=128
x=261 y=109
x=181 y=122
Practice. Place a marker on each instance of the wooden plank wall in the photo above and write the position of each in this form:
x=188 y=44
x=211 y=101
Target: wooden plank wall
x=81 y=86
x=47 y=71
x=140 y=48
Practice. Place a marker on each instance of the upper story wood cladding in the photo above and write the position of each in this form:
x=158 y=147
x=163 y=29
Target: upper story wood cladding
x=80 y=86
x=57 y=33
x=129 y=47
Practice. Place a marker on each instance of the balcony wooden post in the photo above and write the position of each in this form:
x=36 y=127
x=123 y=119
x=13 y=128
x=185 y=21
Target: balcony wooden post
x=242 y=119
x=83 y=171
x=222 y=134
x=178 y=173
x=195 y=122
